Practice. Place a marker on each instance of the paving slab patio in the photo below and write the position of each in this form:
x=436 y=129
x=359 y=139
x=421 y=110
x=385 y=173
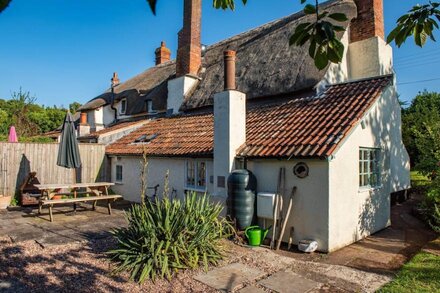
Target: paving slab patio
x=230 y=277
x=288 y=282
x=68 y=227
x=251 y=289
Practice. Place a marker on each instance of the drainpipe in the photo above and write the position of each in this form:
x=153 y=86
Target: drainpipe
x=115 y=82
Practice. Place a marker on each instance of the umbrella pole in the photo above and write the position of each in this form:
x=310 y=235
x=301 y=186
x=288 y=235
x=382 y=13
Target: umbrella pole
x=74 y=181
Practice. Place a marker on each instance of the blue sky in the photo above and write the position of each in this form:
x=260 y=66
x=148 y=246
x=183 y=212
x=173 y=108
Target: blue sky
x=65 y=51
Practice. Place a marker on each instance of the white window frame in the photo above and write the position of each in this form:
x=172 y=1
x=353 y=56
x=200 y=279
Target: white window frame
x=121 y=109
x=369 y=168
x=195 y=187
x=119 y=180
x=149 y=106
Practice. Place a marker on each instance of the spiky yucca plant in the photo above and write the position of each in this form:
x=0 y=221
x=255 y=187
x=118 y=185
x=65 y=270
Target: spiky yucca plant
x=164 y=236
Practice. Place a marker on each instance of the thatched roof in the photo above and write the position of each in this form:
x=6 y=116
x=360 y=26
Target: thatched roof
x=149 y=85
x=266 y=66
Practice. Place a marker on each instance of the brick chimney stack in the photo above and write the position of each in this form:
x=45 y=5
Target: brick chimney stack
x=369 y=23
x=163 y=54
x=189 y=53
x=115 y=79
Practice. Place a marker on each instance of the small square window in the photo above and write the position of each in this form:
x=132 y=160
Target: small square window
x=369 y=170
x=196 y=174
x=118 y=173
x=123 y=106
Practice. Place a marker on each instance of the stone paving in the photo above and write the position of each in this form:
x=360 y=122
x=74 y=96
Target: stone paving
x=25 y=224
x=364 y=266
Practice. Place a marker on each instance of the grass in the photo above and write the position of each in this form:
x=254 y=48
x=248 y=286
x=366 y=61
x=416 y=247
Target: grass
x=417 y=179
x=421 y=274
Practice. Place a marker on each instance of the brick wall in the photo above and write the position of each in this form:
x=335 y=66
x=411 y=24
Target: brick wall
x=369 y=22
x=189 y=52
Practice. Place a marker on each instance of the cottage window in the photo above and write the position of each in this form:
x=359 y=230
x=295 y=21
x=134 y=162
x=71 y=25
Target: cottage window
x=196 y=174
x=369 y=171
x=149 y=106
x=123 y=106
x=118 y=173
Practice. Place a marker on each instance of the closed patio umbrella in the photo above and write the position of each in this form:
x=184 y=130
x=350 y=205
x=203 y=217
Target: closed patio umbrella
x=68 y=151
x=12 y=135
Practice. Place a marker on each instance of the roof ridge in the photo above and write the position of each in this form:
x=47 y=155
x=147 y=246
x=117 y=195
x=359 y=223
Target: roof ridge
x=284 y=20
x=363 y=79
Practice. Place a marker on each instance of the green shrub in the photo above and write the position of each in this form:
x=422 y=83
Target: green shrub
x=164 y=236
x=431 y=205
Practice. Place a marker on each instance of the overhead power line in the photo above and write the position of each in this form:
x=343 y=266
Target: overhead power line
x=418 y=81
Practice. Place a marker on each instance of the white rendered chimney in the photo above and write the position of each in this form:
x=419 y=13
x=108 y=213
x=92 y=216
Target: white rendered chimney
x=229 y=126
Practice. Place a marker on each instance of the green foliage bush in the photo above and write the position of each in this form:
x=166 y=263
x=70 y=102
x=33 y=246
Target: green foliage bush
x=164 y=236
x=431 y=205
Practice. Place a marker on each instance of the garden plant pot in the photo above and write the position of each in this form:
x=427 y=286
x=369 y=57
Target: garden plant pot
x=5 y=201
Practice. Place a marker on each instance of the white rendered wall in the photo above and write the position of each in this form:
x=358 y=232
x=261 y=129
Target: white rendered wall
x=177 y=89
x=130 y=187
x=369 y=58
x=229 y=134
x=358 y=212
x=99 y=119
x=108 y=115
x=310 y=212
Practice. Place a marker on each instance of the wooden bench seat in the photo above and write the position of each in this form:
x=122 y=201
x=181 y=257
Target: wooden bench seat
x=95 y=199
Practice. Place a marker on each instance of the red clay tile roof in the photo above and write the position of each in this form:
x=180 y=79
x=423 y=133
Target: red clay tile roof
x=301 y=127
x=115 y=127
x=190 y=135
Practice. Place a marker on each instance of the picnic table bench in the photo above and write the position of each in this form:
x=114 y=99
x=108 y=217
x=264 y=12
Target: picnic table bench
x=97 y=190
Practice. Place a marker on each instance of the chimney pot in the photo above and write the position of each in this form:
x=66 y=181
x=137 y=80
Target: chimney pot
x=229 y=75
x=83 y=118
x=163 y=54
x=115 y=79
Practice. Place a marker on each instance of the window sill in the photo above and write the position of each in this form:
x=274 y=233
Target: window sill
x=119 y=183
x=369 y=188
x=196 y=189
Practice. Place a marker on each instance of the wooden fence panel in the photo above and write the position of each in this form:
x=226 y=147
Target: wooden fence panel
x=18 y=159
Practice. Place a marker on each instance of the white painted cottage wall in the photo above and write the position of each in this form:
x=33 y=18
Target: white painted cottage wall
x=130 y=188
x=358 y=212
x=310 y=213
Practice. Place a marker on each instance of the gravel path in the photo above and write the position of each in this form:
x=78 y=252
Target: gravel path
x=84 y=267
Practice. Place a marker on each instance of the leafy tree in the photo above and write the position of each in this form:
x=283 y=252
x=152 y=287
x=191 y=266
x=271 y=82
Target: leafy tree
x=74 y=107
x=4 y=4
x=29 y=118
x=421 y=131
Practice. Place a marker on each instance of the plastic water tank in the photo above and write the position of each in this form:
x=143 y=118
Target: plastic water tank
x=265 y=202
x=241 y=188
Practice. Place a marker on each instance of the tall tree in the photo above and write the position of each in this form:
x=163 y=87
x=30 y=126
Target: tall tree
x=421 y=131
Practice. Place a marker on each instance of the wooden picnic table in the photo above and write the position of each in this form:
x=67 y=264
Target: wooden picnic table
x=99 y=190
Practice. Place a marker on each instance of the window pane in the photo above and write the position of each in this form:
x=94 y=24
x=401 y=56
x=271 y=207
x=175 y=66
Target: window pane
x=201 y=172
x=118 y=173
x=190 y=173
